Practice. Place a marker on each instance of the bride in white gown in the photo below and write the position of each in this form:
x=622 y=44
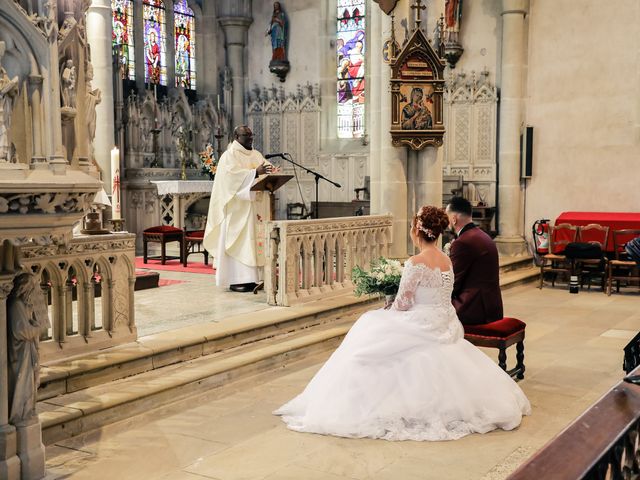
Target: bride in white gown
x=406 y=373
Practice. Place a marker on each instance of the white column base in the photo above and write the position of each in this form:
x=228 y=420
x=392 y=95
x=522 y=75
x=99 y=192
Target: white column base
x=511 y=246
x=31 y=451
x=9 y=461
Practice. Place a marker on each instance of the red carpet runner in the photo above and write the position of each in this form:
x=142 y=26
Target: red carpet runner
x=175 y=266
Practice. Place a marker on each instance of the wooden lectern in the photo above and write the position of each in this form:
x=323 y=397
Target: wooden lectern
x=270 y=183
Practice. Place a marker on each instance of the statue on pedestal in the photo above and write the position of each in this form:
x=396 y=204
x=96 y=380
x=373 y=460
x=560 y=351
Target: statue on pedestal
x=68 y=84
x=27 y=317
x=278 y=30
x=8 y=94
x=94 y=97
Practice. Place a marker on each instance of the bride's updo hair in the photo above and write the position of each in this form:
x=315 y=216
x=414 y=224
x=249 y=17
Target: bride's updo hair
x=430 y=223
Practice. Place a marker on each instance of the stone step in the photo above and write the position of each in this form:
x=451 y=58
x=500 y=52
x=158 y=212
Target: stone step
x=508 y=264
x=167 y=348
x=518 y=277
x=72 y=414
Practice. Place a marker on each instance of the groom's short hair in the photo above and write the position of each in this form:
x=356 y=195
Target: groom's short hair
x=460 y=205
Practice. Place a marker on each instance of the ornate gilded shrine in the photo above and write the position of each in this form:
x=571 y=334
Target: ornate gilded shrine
x=417 y=88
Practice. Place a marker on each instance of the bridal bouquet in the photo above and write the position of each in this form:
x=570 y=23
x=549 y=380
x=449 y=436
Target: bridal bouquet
x=209 y=162
x=383 y=278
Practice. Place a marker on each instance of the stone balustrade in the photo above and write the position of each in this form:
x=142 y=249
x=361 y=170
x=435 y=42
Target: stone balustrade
x=307 y=260
x=88 y=285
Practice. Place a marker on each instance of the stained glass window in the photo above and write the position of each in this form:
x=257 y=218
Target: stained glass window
x=350 y=48
x=122 y=34
x=155 y=42
x=184 y=33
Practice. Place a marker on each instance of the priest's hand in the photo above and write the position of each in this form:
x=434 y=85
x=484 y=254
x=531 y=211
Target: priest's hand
x=264 y=169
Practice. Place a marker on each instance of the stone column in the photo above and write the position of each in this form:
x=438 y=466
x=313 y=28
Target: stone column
x=171 y=45
x=9 y=461
x=388 y=164
x=510 y=240
x=99 y=38
x=429 y=177
x=35 y=96
x=55 y=149
x=235 y=35
x=207 y=50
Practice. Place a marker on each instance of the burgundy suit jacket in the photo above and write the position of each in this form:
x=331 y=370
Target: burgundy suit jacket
x=476 y=290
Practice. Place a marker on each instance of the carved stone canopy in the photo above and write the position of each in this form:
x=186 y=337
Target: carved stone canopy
x=417 y=86
x=387 y=6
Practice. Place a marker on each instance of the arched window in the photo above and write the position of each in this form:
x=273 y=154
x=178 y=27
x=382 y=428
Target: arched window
x=350 y=48
x=155 y=42
x=122 y=34
x=184 y=34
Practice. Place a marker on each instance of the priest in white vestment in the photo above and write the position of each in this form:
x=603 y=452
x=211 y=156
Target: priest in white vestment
x=231 y=232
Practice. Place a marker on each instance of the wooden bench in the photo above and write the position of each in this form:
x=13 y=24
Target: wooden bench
x=163 y=234
x=500 y=334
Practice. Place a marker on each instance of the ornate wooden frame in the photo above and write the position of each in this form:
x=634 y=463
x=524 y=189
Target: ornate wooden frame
x=417 y=67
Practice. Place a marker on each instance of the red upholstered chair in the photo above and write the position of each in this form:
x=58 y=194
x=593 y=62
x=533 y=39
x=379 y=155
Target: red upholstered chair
x=622 y=268
x=163 y=234
x=500 y=334
x=555 y=261
x=193 y=244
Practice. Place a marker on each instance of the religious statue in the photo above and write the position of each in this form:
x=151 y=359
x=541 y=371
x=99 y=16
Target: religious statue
x=68 y=84
x=415 y=114
x=27 y=317
x=452 y=17
x=152 y=56
x=8 y=94
x=278 y=30
x=94 y=97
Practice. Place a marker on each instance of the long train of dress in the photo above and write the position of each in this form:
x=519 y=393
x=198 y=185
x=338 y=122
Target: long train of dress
x=408 y=374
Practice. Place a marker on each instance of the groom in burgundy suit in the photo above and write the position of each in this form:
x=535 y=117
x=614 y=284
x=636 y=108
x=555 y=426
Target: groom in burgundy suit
x=476 y=289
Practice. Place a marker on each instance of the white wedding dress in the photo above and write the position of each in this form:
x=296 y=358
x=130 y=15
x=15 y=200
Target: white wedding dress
x=408 y=374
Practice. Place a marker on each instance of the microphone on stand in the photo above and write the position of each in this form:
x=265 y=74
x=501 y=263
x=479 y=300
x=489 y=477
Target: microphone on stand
x=273 y=155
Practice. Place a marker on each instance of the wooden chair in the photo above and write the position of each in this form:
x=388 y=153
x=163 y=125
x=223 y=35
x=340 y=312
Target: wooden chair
x=588 y=268
x=192 y=243
x=555 y=261
x=622 y=268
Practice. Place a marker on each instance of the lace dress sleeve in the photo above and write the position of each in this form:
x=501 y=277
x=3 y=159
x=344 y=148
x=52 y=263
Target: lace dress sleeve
x=408 y=285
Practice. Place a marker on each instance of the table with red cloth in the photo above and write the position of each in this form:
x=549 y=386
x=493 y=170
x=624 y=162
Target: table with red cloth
x=613 y=220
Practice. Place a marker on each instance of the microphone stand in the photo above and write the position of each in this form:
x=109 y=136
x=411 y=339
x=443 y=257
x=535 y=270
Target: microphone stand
x=317 y=177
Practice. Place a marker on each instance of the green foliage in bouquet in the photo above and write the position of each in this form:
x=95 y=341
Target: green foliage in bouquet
x=383 y=278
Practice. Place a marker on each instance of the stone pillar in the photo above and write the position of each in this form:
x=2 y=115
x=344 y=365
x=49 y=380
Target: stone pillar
x=235 y=34
x=35 y=97
x=388 y=164
x=511 y=240
x=171 y=45
x=9 y=461
x=99 y=37
x=207 y=64
x=55 y=150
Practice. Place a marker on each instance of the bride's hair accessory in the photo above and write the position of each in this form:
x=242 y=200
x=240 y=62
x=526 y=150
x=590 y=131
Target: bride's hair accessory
x=431 y=221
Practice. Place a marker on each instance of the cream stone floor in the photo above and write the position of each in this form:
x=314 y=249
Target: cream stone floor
x=573 y=355
x=194 y=301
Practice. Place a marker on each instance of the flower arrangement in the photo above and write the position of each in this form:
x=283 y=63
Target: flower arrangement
x=383 y=278
x=209 y=162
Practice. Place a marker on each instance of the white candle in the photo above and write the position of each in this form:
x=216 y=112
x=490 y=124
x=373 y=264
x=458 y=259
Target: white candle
x=218 y=103
x=115 y=184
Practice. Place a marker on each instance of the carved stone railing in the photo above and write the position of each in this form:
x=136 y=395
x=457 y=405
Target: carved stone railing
x=308 y=260
x=89 y=289
x=602 y=444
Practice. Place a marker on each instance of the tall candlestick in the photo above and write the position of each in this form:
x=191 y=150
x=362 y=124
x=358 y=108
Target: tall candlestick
x=115 y=184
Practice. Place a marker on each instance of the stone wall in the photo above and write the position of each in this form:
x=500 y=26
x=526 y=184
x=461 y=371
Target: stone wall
x=584 y=104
